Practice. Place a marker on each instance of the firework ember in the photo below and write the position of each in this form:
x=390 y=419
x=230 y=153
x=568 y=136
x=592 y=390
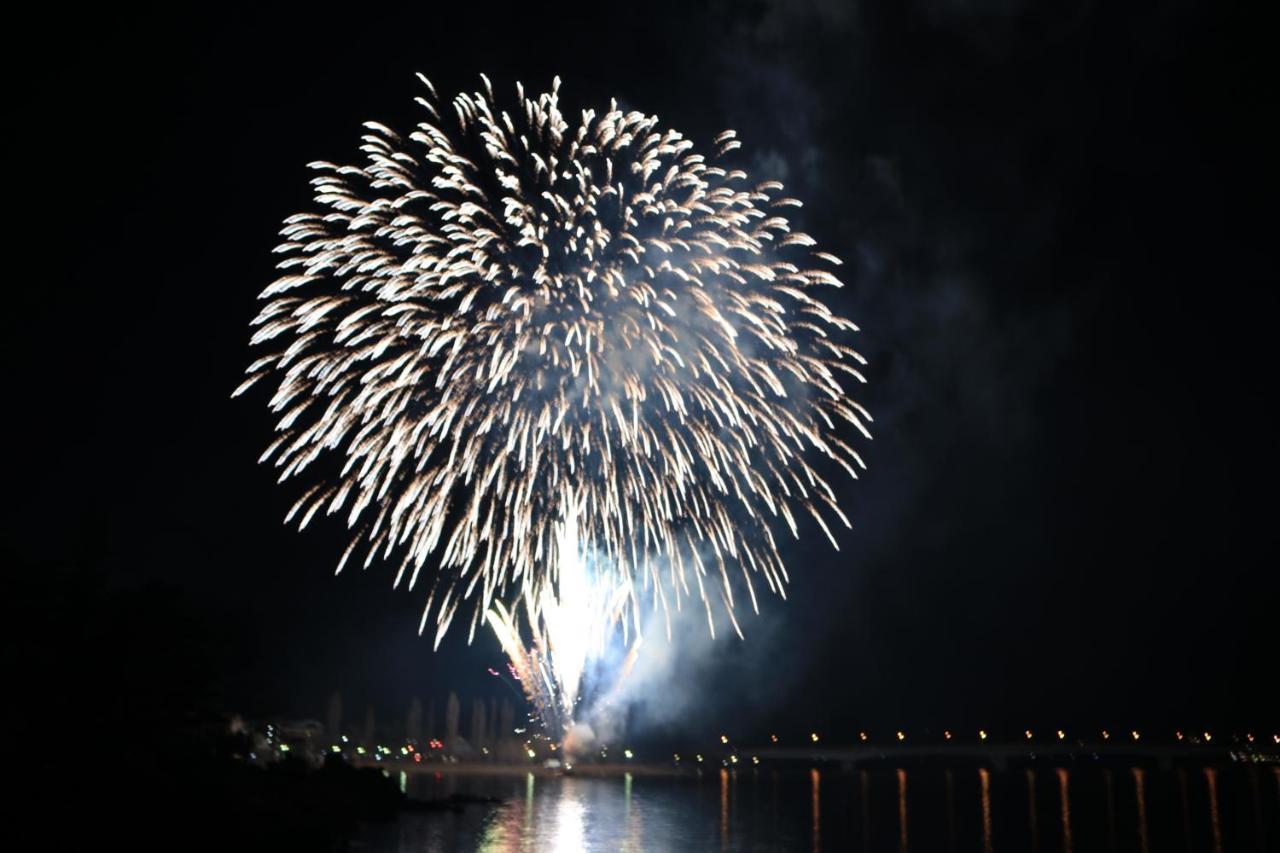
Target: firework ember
x=514 y=338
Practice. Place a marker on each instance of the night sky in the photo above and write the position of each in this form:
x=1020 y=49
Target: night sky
x=1057 y=239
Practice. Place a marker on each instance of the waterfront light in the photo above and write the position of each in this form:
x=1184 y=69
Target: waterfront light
x=901 y=736
x=1028 y=734
x=1106 y=735
x=862 y=736
x=982 y=735
x=773 y=738
x=1207 y=737
x=627 y=753
x=947 y=735
x=1135 y=734
x=724 y=738
x=1061 y=734
x=813 y=736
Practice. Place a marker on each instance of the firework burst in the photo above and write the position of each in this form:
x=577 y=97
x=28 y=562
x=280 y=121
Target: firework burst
x=509 y=320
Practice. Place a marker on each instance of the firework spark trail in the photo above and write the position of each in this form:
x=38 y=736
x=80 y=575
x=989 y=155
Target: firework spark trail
x=569 y=626
x=509 y=317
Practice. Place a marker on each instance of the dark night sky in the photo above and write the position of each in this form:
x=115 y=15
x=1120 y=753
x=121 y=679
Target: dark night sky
x=1054 y=223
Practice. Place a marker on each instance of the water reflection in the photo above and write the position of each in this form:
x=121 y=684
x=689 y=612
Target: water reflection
x=1211 y=776
x=985 y=776
x=1259 y=827
x=569 y=833
x=1203 y=809
x=951 y=809
x=1065 y=796
x=815 y=786
x=724 y=809
x=1031 y=809
x=864 y=786
x=1140 y=789
x=1111 y=809
x=1184 y=799
x=528 y=802
x=902 y=811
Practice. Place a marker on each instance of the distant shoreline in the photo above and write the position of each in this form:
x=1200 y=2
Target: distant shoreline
x=474 y=769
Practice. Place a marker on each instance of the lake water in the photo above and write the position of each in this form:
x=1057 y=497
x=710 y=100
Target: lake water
x=1074 y=810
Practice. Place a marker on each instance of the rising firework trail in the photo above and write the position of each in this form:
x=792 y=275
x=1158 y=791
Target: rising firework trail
x=509 y=324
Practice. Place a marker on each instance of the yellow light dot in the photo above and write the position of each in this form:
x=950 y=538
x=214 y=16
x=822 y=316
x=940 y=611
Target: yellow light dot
x=773 y=738
x=862 y=736
x=1208 y=737
x=982 y=735
x=901 y=736
x=1061 y=734
x=947 y=735
x=1106 y=735
x=1135 y=735
x=724 y=738
x=1028 y=734
x=813 y=736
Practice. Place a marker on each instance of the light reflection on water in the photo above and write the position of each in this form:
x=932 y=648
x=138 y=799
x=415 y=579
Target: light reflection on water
x=830 y=808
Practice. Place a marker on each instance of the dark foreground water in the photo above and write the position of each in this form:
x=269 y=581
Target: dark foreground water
x=1077 y=810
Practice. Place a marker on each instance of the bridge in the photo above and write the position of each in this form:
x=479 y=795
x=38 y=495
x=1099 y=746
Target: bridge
x=1001 y=755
